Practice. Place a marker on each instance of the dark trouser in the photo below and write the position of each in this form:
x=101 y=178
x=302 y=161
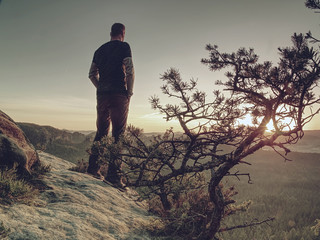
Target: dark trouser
x=110 y=108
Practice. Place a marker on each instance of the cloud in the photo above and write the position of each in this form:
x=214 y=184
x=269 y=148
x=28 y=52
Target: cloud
x=69 y=112
x=153 y=116
x=50 y=106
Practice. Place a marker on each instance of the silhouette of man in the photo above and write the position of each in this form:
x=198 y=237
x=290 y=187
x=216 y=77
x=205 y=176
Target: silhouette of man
x=112 y=73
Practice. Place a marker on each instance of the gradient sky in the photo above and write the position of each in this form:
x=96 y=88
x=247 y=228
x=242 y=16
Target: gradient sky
x=47 y=47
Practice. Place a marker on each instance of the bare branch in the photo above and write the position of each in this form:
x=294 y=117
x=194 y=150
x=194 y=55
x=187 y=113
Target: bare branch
x=212 y=140
x=245 y=225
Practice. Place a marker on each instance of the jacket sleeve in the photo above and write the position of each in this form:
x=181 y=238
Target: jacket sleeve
x=94 y=74
x=128 y=64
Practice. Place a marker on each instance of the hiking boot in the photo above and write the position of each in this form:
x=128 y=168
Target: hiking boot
x=96 y=174
x=115 y=183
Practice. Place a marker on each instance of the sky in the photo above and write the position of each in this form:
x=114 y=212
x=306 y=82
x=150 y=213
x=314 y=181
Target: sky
x=46 y=48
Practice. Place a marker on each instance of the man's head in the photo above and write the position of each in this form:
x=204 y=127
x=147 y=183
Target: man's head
x=118 y=31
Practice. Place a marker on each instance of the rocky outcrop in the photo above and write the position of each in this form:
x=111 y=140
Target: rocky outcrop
x=77 y=206
x=15 y=148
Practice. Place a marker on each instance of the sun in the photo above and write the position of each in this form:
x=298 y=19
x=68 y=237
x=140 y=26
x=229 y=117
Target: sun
x=247 y=121
x=270 y=127
x=284 y=124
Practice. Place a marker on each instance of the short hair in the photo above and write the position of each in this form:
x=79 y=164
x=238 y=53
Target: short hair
x=117 y=29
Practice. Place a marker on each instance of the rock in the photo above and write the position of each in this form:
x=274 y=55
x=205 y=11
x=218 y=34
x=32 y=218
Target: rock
x=15 y=148
x=77 y=206
x=10 y=153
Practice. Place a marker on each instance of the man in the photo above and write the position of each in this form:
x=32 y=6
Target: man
x=112 y=73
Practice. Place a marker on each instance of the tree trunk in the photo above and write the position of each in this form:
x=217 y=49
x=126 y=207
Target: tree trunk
x=164 y=199
x=216 y=197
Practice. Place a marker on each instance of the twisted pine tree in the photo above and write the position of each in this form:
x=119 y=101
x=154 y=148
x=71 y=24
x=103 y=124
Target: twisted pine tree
x=213 y=141
x=313 y=4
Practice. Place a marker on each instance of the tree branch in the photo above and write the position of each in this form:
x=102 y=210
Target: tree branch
x=245 y=225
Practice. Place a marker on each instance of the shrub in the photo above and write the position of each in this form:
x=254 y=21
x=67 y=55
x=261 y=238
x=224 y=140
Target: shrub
x=191 y=209
x=14 y=189
x=80 y=167
x=39 y=170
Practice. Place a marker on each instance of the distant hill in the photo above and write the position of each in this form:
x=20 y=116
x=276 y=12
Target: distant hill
x=73 y=145
x=310 y=143
x=61 y=143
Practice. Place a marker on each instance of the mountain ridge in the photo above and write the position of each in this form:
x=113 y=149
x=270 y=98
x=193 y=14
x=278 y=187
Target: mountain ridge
x=61 y=143
x=72 y=145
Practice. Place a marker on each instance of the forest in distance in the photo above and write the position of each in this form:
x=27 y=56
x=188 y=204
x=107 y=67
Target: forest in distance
x=286 y=190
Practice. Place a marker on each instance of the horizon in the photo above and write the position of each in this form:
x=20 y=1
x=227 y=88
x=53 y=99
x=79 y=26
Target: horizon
x=47 y=49
x=145 y=132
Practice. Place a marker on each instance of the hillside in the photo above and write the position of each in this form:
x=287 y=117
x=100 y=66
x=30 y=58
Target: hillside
x=288 y=191
x=310 y=142
x=60 y=143
x=76 y=206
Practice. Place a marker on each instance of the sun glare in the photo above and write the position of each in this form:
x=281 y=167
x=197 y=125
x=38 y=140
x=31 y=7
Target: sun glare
x=286 y=123
x=247 y=121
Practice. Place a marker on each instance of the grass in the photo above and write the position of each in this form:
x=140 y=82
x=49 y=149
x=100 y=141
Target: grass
x=13 y=189
x=288 y=191
x=20 y=189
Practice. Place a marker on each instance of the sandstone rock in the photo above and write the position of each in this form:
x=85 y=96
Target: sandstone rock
x=77 y=206
x=15 y=148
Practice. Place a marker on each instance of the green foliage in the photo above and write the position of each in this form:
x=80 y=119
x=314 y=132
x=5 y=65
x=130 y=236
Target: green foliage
x=183 y=202
x=4 y=231
x=13 y=189
x=190 y=207
x=106 y=149
x=39 y=170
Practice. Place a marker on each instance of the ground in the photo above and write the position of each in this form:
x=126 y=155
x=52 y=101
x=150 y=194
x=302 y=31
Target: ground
x=76 y=206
